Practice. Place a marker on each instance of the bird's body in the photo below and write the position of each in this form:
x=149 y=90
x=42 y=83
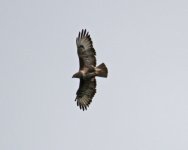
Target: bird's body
x=88 y=70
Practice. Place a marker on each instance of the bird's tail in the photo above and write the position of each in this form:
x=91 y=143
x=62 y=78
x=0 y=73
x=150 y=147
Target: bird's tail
x=102 y=70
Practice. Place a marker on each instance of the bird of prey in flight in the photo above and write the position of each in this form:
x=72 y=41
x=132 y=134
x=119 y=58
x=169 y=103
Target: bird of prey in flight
x=88 y=70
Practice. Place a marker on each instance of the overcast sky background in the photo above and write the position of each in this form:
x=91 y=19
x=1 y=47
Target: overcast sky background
x=142 y=105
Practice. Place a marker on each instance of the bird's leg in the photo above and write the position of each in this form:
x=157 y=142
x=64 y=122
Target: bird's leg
x=91 y=68
x=90 y=75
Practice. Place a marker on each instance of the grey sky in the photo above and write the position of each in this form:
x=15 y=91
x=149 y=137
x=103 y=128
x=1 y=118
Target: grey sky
x=142 y=105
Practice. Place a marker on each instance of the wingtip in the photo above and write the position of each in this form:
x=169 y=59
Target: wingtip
x=83 y=33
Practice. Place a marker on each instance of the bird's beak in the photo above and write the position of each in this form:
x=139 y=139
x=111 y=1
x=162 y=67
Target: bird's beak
x=73 y=76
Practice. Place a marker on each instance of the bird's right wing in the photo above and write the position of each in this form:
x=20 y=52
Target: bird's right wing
x=85 y=93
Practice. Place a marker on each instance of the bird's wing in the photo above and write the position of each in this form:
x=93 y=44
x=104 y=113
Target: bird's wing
x=86 y=52
x=85 y=93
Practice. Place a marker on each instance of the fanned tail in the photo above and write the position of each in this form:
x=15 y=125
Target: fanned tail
x=102 y=70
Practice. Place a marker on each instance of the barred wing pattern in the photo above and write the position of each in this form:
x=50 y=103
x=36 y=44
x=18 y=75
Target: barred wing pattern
x=85 y=93
x=85 y=50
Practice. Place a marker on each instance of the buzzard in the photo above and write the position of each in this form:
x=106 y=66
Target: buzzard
x=88 y=70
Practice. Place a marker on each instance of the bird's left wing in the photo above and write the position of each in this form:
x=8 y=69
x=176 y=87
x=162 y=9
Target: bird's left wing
x=86 y=52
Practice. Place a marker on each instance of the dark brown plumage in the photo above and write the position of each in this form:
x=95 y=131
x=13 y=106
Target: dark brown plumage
x=88 y=70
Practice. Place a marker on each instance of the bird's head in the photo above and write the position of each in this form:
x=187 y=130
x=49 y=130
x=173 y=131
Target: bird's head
x=77 y=75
